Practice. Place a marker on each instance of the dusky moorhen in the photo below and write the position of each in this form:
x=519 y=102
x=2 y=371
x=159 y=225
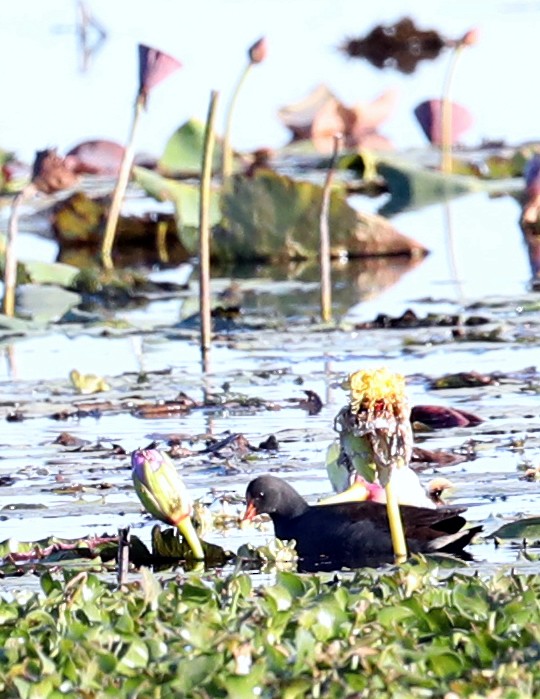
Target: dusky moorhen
x=352 y=534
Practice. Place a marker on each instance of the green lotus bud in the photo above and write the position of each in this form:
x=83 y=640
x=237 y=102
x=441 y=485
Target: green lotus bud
x=163 y=493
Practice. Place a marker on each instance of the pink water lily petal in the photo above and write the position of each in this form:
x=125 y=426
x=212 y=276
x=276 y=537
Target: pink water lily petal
x=428 y=115
x=154 y=66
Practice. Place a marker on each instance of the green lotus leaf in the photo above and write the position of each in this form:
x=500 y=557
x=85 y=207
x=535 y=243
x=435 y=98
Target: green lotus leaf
x=184 y=150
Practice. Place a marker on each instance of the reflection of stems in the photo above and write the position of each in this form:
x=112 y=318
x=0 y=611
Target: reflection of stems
x=204 y=226
x=162 y=228
x=396 y=525
x=227 y=164
x=11 y=360
x=10 y=261
x=123 y=556
x=120 y=189
x=324 y=228
x=451 y=252
x=446 y=112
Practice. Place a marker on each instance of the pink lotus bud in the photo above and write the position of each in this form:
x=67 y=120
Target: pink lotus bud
x=470 y=38
x=257 y=52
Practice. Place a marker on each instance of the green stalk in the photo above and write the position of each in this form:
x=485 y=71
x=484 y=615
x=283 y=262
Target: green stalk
x=186 y=528
x=204 y=226
x=227 y=162
x=395 y=523
x=120 y=189
x=446 y=112
x=324 y=229
x=10 y=259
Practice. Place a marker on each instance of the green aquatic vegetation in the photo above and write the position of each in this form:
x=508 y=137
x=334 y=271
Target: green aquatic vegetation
x=416 y=631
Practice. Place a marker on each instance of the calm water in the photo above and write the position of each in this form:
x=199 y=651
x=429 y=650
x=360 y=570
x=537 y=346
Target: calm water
x=49 y=101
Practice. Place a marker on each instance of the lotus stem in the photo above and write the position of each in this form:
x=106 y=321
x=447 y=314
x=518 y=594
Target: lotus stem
x=120 y=189
x=324 y=228
x=227 y=162
x=204 y=226
x=10 y=259
x=396 y=525
x=186 y=528
x=446 y=111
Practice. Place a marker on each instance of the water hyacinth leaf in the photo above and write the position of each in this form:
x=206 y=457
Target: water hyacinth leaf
x=135 y=658
x=392 y=615
x=280 y=596
x=184 y=150
x=324 y=620
x=291 y=582
x=444 y=662
x=470 y=602
x=305 y=643
x=528 y=528
x=246 y=686
x=193 y=672
x=296 y=688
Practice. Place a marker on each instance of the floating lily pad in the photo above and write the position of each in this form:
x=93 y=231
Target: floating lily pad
x=528 y=528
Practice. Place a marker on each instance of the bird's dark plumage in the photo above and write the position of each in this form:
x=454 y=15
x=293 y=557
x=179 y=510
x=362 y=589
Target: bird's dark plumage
x=352 y=534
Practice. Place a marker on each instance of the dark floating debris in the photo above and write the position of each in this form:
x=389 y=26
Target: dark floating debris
x=439 y=417
x=409 y=319
x=400 y=46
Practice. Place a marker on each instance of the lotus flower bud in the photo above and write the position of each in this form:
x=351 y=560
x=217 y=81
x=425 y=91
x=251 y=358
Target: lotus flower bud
x=470 y=38
x=163 y=493
x=257 y=52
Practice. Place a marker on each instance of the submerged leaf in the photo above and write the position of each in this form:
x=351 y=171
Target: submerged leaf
x=528 y=528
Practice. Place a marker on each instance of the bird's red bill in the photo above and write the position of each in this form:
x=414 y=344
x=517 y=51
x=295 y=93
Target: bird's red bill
x=250 y=513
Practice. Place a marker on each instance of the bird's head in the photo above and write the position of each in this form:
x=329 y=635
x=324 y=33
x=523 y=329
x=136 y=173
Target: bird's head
x=272 y=496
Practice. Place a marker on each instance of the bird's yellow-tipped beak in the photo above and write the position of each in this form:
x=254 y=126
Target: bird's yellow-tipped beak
x=357 y=492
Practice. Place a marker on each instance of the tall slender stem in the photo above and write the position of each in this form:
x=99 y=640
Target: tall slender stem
x=10 y=261
x=324 y=228
x=227 y=163
x=120 y=189
x=204 y=226
x=446 y=112
x=395 y=523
